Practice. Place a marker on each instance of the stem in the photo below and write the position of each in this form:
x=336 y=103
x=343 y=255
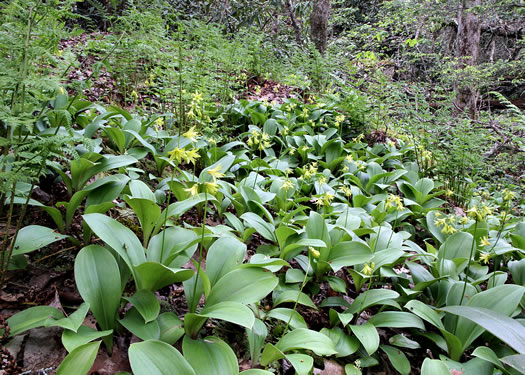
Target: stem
x=467 y=270
x=201 y=246
x=298 y=294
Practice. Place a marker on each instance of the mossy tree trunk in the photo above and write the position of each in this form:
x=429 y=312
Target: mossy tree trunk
x=319 y=24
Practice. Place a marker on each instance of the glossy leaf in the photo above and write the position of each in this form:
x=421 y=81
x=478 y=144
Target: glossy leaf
x=80 y=360
x=245 y=285
x=32 y=317
x=34 y=237
x=210 y=356
x=154 y=357
x=306 y=339
x=98 y=281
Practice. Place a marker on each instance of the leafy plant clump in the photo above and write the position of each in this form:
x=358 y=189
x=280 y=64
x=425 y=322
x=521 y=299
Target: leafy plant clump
x=295 y=216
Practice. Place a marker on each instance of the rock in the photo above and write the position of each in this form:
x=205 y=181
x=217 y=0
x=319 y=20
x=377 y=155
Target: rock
x=43 y=349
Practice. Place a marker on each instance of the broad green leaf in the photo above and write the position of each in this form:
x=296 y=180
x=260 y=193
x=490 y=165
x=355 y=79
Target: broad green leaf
x=304 y=242
x=256 y=371
x=345 y=344
x=503 y=299
x=370 y=298
x=367 y=334
x=398 y=359
x=270 y=354
x=31 y=318
x=516 y=361
x=170 y=327
x=80 y=360
x=233 y=312
x=396 y=319
x=306 y=339
x=403 y=342
x=316 y=228
x=288 y=315
x=34 y=237
x=134 y=323
x=488 y=355
x=500 y=325
x=434 y=367
x=154 y=357
x=146 y=303
x=474 y=366
x=72 y=340
x=170 y=244
x=120 y=238
x=210 y=356
x=245 y=285
x=223 y=256
x=302 y=363
x=456 y=246
x=148 y=213
x=293 y=296
x=349 y=253
x=256 y=336
x=425 y=312
x=153 y=275
x=139 y=189
x=262 y=227
x=351 y=369
x=98 y=281
x=73 y=321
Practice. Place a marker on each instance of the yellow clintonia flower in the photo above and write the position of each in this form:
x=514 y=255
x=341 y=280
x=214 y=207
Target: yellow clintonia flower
x=449 y=193
x=190 y=156
x=304 y=148
x=176 y=154
x=315 y=253
x=349 y=158
x=484 y=257
x=158 y=124
x=464 y=220
x=61 y=90
x=394 y=201
x=484 y=241
x=134 y=95
x=194 y=190
x=211 y=187
x=368 y=269
x=448 y=229
x=288 y=171
x=340 y=118
x=191 y=134
x=287 y=185
x=327 y=199
x=346 y=191
x=440 y=222
x=508 y=195
x=214 y=172
x=322 y=180
x=196 y=97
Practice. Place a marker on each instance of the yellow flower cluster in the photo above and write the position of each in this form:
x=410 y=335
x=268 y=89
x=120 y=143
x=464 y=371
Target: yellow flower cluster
x=191 y=134
x=346 y=191
x=368 y=269
x=338 y=120
x=479 y=212
x=394 y=201
x=158 y=124
x=309 y=170
x=426 y=158
x=484 y=257
x=287 y=184
x=484 y=241
x=260 y=140
x=508 y=195
x=359 y=138
x=324 y=200
x=180 y=154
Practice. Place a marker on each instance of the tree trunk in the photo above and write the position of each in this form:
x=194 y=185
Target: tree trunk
x=467 y=52
x=289 y=6
x=319 y=24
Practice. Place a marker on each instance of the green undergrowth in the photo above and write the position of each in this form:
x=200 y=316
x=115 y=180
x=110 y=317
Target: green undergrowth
x=294 y=214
